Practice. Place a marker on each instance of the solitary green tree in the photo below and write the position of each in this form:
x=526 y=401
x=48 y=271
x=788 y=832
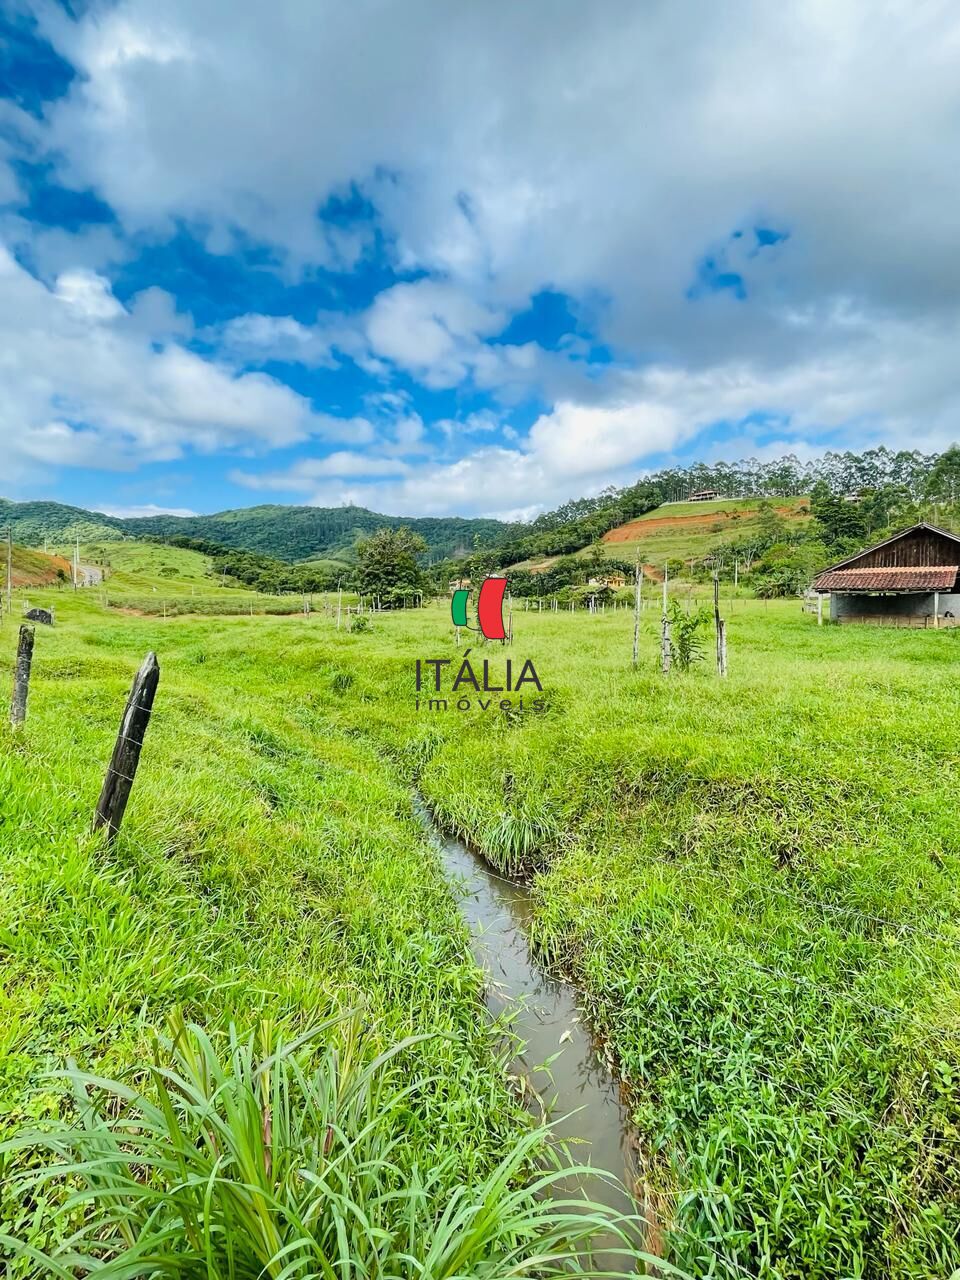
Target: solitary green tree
x=389 y=566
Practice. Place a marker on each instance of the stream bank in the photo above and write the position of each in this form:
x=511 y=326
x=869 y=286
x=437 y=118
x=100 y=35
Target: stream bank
x=560 y=1060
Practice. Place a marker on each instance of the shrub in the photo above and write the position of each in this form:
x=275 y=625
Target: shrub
x=686 y=644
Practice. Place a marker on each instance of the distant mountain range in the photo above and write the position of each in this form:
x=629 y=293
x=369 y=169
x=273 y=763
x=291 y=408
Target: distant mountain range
x=289 y=533
x=318 y=533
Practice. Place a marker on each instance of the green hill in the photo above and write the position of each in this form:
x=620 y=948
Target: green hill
x=289 y=533
x=306 y=533
x=148 y=566
x=35 y=523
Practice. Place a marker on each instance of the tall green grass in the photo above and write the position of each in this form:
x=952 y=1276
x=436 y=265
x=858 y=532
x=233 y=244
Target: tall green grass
x=756 y=881
x=231 y=1156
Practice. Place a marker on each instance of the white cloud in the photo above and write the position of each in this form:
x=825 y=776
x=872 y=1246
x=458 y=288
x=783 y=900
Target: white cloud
x=86 y=385
x=482 y=422
x=305 y=474
x=430 y=329
x=869 y=389
x=51 y=251
x=521 y=146
x=144 y=509
x=258 y=338
x=88 y=294
x=154 y=312
x=602 y=153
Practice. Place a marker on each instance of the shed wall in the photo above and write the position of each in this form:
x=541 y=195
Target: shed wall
x=921 y=548
x=914 y=605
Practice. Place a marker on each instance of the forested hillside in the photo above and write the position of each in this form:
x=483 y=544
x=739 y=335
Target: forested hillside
x=34 y=523
x=302 y=533
x=774 y=539
x=285 y=533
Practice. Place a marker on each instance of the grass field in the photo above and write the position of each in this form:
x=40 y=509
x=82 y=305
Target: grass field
x=756 y=881
x=148 y=578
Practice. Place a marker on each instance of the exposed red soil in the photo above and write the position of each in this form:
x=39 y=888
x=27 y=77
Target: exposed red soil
x=35 y=577
x=634 y=530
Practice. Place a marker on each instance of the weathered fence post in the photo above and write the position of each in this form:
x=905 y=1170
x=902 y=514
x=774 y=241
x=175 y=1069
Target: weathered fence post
x=21 y=677
x=636 y=615
x=9 y=571
x=126 y=753
x=666 y=651
x=665 y=646
x=721 y=628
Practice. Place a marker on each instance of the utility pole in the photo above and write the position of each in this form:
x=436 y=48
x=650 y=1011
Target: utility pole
x=9 y=570
x=76 y=563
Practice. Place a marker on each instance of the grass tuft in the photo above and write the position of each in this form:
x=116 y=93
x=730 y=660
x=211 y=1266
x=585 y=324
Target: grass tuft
x=231 y=1156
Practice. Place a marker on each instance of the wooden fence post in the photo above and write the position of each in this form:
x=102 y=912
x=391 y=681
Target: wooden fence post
x=665 y=646
x=721 y=628
x=126 y=753
x=21 y=677
x=666 y=650
x=636 y=615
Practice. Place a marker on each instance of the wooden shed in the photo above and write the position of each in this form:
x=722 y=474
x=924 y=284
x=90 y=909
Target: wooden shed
x=911 y=579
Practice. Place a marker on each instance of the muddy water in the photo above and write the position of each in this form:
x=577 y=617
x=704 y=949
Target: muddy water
x=582 y=1094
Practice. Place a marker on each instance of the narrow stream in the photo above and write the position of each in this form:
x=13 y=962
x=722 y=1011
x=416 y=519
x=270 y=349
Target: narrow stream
x=585 y=1109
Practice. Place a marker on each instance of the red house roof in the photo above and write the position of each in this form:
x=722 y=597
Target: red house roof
x=940 y=577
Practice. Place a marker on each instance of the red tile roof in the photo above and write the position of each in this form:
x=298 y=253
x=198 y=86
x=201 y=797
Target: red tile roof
x=940 y=577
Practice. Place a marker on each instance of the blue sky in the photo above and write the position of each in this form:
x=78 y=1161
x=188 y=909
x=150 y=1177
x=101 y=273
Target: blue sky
x=476 y=259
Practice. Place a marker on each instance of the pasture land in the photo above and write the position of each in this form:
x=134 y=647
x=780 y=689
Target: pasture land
x=756 y=882
x=151 y=578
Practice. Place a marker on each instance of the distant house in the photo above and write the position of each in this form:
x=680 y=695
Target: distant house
x=614 y=579
x=911 y=579
x=704 y=495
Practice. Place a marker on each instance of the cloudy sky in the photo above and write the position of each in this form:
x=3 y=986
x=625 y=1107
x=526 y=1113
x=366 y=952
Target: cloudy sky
x=467 y=257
